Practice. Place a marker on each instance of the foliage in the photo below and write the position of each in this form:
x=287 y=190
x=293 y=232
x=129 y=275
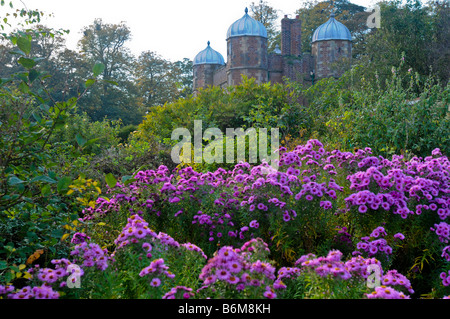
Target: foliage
x=409 y=116
x=34 y=206
x=267 y=15
x=413 y=30
x=243 y=106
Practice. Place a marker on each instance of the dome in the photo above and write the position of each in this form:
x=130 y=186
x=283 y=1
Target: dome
x=331 y=30
x=246 y=26
x=209 y=56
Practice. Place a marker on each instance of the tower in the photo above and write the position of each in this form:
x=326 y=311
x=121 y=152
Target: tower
x=205 y=63
x=247 y=50
x=331 y=45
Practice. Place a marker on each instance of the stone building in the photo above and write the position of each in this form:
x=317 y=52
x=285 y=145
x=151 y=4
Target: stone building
x=247 y=54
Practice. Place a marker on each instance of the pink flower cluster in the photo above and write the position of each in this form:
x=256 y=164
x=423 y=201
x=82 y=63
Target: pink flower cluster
x=443 y=231
x=332 y=266
x=384 y=292
x=91 y=255
x=192 y=247
x=49 y=276
x=234 y=267
x=394 y=278
x=324 y=266
x=446 y=253
x=372 y=247
x=38 y=292
x=175 y=292
x=445 y=278
x=136 y=229
x=156 y=268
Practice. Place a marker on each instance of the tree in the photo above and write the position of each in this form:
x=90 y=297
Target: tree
x=115 y=99
x=105 y=43
x=314 y=14
x=267 y=15
x=153 y=79
x=184 y=77
x=159 y=81
x=439 y=48
x=411 y=32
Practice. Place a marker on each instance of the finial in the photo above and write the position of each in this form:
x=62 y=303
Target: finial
x=246 y=10
x=209 y=43
x=277 y=49
x=332 y=14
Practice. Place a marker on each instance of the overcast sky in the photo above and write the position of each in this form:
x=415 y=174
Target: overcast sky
x=175 y=29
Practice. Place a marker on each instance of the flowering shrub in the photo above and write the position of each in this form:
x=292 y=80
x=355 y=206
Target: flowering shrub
x=254 y=232
x=239 y=273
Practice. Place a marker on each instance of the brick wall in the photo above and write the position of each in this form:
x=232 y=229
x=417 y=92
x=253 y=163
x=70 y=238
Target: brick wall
x=328 y=53
x=247 y=55
x=204 y=75
x=291 y=36
x=220 y=76
x=275 y=67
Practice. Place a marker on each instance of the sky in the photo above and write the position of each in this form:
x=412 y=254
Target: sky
x=174 y=29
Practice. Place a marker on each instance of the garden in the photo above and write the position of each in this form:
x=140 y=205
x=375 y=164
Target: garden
x=315 y=228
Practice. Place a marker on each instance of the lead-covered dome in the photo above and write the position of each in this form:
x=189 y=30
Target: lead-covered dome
x=209 y=56
x=246 y=26
x=332 y=30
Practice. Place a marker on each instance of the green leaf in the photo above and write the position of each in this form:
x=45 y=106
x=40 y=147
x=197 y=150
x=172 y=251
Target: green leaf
x=17 y=51
x=15 y=180
x=43 y=178
x=110 y=180
x=24 y=88
x=111 y=82
x=98 y=69
x=8 y=277
x=3 y=264
x=129 y=181
x=46 y=189
x=63 y=183
x=57 y=233
x=24 y=44
x=91 y=141
x=36 y=117
x=89 y=83
x=33 y=75
x=80 y=140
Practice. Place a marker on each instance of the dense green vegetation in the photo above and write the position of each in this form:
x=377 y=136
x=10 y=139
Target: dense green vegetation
x=81 y=132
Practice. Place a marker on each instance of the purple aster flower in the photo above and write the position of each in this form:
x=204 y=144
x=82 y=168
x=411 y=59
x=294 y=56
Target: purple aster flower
x=222 y=274
x=233 y=279
x=399 y=236
x=270 y=294
x=362 y=208
x=234 y=266
x=155 y=282
x=254 y=224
